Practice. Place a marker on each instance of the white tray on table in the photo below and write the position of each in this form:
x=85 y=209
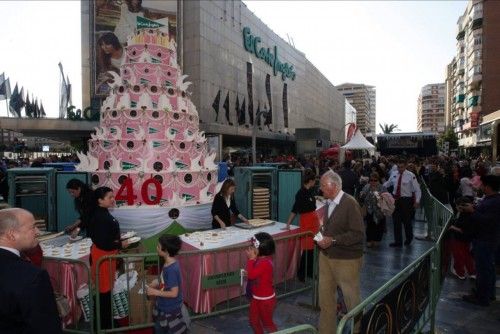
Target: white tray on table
x=250 y=226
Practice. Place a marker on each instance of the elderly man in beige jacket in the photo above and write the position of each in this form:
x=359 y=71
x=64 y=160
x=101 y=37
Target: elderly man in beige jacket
x=341 y=253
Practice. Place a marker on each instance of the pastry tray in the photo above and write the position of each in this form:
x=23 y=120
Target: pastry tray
x=251 y=227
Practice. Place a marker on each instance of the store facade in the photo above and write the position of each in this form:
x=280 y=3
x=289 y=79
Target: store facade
x=245 y=78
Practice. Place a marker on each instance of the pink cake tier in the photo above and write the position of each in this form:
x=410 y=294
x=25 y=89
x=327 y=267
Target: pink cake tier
x=149 y=130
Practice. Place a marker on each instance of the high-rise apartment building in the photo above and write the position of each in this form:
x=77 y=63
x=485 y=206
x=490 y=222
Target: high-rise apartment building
x=476 y=70
x=430 y=108
x=363 y=98
x=448 y=101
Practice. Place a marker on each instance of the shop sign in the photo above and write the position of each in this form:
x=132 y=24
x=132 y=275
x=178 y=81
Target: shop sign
x=221 y=280
x=251 y=44
x=474 y=119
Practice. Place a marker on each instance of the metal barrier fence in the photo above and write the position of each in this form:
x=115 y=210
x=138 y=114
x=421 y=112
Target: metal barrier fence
x=211 y=280
x=407 y=302
x=66 y=276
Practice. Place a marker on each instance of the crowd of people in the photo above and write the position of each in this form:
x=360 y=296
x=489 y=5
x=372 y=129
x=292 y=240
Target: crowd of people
x=360 y=198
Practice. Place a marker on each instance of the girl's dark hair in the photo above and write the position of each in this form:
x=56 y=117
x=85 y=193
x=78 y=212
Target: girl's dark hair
x=100 y=193
x=76 y=184
x=309 y=175
x=86 y=201
x=228 y=183
x=170 y=243
x=109 y=39
x=104 y=60
x=266 y=241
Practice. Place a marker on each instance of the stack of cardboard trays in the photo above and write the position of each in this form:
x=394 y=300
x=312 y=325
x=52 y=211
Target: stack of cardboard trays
x=140 y=305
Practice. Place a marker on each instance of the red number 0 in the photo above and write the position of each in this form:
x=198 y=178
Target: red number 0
x=129 y=196
x=145 y=195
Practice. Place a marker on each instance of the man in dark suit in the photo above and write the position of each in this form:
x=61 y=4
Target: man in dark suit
x=27 y=299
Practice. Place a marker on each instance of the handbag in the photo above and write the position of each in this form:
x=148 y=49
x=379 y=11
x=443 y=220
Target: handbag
x=62 y=304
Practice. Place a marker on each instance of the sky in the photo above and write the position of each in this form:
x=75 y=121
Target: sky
x=397 y=46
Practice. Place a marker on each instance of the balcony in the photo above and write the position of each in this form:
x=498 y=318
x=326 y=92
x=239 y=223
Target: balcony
x=466 y=126
x=458 y=122
x=474 y=81
x=473 y=101
x=461 y=35
x=459 y=98
x=477 y=23
x=475 y=110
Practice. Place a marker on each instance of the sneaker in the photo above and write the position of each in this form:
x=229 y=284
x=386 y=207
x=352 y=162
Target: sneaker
x=472 y=276
x=458 y=276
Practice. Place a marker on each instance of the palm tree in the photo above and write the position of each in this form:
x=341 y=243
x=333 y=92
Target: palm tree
x=388 y=128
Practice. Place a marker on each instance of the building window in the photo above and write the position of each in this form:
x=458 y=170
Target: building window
x=285 y=105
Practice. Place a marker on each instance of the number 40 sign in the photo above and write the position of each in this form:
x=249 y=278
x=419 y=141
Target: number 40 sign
x=126 y=192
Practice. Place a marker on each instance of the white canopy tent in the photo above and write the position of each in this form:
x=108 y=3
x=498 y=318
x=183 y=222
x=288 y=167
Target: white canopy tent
x=357 y=142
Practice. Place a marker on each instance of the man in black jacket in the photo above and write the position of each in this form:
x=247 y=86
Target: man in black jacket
x=437 y=182
x=350 y=181
x=486 y=236
x=27 y=299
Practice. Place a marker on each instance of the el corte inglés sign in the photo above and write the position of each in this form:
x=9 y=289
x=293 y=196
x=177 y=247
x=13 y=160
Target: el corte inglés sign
x=251 y=44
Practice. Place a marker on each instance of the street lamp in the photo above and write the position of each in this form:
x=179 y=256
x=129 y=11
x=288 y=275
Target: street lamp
x=254 y=133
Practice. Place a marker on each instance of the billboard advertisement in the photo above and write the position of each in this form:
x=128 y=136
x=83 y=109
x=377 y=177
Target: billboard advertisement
x=115 y=20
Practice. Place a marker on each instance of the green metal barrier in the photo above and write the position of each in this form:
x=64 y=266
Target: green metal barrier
x=287 y=285
x=77 y=326
x=409 y=299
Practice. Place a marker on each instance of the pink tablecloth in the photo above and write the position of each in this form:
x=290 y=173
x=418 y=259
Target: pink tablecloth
x=195 y=266
x=66 y=278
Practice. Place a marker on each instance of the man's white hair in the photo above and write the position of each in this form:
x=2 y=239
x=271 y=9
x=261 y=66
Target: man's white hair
x=333 y=177
x=9 y=219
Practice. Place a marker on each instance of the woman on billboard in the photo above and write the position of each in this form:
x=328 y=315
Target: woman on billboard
x=110 y=55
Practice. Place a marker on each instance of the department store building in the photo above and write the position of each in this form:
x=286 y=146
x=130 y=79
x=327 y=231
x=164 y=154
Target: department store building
x=240 y=70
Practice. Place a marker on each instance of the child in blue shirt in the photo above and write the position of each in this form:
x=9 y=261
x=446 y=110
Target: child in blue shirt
x=167 y=310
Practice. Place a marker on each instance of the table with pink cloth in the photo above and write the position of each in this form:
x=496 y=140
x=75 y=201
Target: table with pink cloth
x=215 y=258
x=67 y=276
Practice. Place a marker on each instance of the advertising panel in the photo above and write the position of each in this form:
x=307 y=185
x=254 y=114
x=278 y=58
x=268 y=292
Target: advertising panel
x=115 y=20
x=401 y=308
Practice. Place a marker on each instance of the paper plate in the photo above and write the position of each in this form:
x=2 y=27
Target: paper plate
x=77 y=238
x=128 y=235
x=133 y=240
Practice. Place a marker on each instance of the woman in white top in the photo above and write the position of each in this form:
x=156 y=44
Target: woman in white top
x=110 y=55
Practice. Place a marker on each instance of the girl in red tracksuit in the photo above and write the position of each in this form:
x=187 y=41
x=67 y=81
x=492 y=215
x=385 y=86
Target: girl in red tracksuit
x=260 y=278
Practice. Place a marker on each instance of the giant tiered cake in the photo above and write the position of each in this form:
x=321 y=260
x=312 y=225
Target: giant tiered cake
x=149 y=131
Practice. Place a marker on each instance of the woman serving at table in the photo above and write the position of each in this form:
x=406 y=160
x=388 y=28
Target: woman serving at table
x=224 y=205
x=305 y=205
x=105 y=234
x=84 y=204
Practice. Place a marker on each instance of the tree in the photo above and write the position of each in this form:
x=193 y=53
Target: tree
x=388 y=128
x=449 y=136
